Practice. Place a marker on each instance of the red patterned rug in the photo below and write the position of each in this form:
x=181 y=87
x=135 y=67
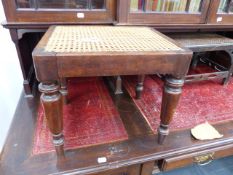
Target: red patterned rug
x=89 y=119
x=203 y=101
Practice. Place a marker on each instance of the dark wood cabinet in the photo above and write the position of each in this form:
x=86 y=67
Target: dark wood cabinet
x=177 y=14
x=65 y=11
x=27 y=20
x=132 y=12
x=164 y=15
x=163 y=12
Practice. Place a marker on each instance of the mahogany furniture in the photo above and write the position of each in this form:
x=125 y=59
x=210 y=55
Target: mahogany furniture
x=191 y=14
x=137 y=155
x=29 y=19
x=68 y=11
x=145 y=15
x=82 y=51
x=27 y=22
x=201 y=43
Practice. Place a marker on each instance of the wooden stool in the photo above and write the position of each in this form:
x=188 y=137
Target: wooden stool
x=82 y=51
x=199 y=44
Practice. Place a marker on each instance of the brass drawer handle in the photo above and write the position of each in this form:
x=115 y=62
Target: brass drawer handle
x=204 y=159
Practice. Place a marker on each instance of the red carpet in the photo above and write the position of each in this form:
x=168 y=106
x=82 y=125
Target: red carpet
x=89 y=119
x=200 y=102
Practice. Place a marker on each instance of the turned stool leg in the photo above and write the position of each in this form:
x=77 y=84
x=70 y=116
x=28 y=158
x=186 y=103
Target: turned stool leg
x=139 y=86
x=52 y=105
x=64 y=90
x=118 y=85
x=171 y=95
x=195 y=60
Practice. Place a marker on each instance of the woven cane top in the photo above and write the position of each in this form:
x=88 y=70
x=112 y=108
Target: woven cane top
x=194 y=40
x=82 y=39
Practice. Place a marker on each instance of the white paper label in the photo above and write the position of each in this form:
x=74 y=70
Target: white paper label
x=102 y=160
x=219 y=19
x=80 y=15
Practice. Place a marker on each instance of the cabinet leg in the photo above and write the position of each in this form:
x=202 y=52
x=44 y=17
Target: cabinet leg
x=139 y=86
x=171 y=94
x=64 y=90
x=52 y=104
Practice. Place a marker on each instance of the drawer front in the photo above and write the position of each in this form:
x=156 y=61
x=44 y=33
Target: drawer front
x=200 y=158
x=130 y=170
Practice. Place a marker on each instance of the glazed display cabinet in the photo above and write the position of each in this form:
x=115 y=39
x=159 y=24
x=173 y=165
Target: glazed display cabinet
x=77 y=11
x=28 y=20
x=163 y=12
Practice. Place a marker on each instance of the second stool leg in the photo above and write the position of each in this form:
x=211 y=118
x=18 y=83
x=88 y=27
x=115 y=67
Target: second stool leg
x=118 y=85
x=139 y=86
x=171 y=95
x=194 y=60
x=53 y=108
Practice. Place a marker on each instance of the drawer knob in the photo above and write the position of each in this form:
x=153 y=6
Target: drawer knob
x=204 y=159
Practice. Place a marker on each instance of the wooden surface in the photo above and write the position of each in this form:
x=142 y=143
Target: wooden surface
x=202 y=42
x=140 y=148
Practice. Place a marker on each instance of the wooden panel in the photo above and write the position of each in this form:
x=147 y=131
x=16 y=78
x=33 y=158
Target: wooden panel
x=162 y=17
x=122 y=11
x=215 y=17
x=130 y=170
x=147 y=168
x=188 y=159
x=140 y=148
x=14 y=14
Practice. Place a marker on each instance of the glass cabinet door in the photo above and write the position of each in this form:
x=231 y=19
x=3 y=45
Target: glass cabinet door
x=221 y=12
x=225 y=6
x=167 y=11
x=172 y=6
x=63 y=11
x=61 y=4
